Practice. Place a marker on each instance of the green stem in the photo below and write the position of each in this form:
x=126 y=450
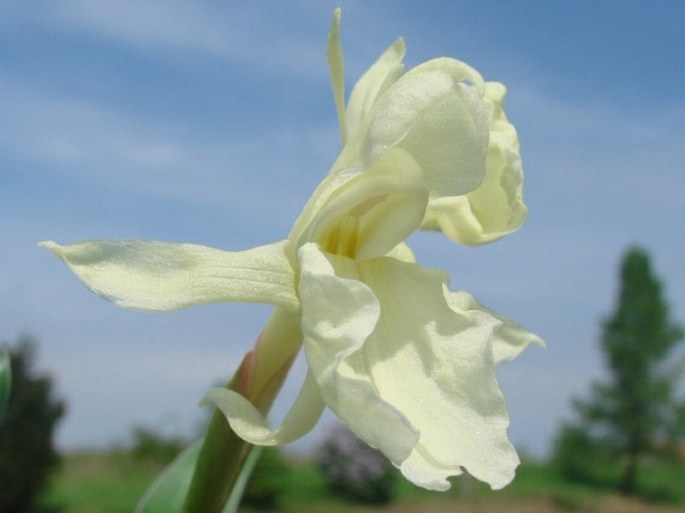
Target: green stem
x=259 y=378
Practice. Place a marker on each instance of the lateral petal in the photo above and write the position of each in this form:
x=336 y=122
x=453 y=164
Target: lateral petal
x=435 y=365
x=338 y=315
x=164 y=276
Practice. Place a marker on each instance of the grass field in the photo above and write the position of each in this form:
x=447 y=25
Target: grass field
x=113 y=482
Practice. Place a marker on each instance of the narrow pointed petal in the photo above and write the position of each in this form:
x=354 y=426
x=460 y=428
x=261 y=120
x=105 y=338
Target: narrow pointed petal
x=336 y=66
x=377 y=79
x=338 y=315
x=496 y=207
x=509 y=339
x=164 y=276
x=250 y=425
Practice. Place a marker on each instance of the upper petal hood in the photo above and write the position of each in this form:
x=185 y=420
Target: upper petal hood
x=436 y=113
x=496 y=207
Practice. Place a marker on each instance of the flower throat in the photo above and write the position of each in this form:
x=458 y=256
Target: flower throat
x=343 y=238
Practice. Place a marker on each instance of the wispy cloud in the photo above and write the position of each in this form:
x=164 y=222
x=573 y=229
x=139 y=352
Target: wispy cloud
x=97 y=145
x=234 y=31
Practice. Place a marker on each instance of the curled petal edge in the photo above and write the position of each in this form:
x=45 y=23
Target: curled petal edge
x=250 y=425
x=509 y=338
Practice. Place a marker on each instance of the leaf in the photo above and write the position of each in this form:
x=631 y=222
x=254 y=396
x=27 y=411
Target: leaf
x=243 y=478
x=167 y=493
x=5 y=380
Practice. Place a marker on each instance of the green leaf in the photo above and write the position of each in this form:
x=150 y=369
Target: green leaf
x=5 y=380
x=167 y=493
x=243 y=478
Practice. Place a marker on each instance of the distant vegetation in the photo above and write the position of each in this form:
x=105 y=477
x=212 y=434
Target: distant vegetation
x=148 y=445
x=27 y=452
x=114 y=482
x=354 y=470
x=633 y=418
x=627 y=435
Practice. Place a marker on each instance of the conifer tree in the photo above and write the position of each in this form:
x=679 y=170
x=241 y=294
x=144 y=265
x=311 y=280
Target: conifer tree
x=636 y=405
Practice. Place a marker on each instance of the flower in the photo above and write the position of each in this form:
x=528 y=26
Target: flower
x=408 y=365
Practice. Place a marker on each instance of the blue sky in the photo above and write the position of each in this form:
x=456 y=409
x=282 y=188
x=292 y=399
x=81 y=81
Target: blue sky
x=211 y=122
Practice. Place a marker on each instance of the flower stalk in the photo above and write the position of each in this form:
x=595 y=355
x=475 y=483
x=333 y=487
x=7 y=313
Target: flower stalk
x=259 y=378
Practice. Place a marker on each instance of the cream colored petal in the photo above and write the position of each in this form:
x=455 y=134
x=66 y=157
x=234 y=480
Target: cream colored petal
x=250 y=425
x=509 y=339
x=402 y=252
x=436 y=112
x=336 y=66
x=377 y=79
x=337 y=317
x=164 y=276
x=496 y=207
x=435 y=366
x=371 y=213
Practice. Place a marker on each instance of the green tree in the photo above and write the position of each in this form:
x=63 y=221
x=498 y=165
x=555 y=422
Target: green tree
x=27 y=453
x=636 y=405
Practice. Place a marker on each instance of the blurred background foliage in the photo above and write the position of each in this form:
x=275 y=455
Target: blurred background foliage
x=353 y=469
x=635 y=416
x=27 y=452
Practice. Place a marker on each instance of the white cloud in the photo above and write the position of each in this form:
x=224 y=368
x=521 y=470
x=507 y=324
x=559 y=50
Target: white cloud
x=233 y=30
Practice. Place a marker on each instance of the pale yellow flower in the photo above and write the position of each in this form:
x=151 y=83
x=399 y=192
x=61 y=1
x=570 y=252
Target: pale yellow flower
x=405 y=363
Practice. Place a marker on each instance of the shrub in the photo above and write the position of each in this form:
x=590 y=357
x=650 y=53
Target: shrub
x=151 y=446
x=355 y=470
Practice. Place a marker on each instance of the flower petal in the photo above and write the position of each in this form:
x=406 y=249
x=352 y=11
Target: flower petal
x=336 y=65
x=372 y=213
x=435 y=366
x=250 y=425
x=337 y=317
x=402 y=252
x=496 y=207
x=509 y=339
x=436 y=112
x=165 y=276
x=372 y=84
